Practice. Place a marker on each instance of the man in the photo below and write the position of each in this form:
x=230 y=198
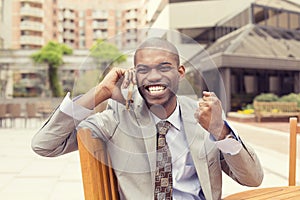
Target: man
x=199 y=140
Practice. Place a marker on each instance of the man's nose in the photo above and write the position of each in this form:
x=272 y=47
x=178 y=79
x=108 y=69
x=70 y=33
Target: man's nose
x=154 y=75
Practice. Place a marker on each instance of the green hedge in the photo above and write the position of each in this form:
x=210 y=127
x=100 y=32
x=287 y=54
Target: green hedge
x=292 y=97
x=269 y=97
x=266 y=97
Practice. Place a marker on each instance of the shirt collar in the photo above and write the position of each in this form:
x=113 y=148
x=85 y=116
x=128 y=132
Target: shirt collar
x=174 y=118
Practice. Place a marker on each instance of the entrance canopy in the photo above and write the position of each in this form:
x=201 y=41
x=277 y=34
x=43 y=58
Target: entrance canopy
x=254 y=46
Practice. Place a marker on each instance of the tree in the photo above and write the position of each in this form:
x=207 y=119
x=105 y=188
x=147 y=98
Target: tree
x=52 y=54
x=106 y=53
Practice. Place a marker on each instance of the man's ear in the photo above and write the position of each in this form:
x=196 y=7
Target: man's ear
x=181 y=70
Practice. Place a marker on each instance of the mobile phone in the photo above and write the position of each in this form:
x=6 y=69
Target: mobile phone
x=129 y=99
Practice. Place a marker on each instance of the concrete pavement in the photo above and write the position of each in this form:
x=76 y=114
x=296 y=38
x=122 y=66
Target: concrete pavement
x=272 y=147
x=25 y=175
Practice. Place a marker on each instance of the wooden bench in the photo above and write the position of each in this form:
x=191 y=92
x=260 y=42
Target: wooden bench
x=44 y=108
x=275 y=109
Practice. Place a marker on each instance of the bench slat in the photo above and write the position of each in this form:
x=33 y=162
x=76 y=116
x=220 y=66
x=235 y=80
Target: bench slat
x=275 y=109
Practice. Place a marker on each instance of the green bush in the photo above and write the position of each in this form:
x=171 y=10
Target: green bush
x=248 y=106
x=266 y=97
x=292 y=97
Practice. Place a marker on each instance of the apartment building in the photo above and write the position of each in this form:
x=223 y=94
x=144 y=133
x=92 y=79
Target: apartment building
x=132 y=19
x=30 y=24
x=29 y=28
x=66 y=24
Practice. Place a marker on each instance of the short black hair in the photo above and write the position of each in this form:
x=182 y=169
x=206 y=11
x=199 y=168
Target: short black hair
x=160 y=44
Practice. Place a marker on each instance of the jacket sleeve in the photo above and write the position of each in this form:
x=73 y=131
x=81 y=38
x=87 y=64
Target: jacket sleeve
x=57 y=136
x=244 y=167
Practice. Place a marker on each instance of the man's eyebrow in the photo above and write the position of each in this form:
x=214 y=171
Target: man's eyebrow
x=160 y=64
x=141 y=65
x=164 y=63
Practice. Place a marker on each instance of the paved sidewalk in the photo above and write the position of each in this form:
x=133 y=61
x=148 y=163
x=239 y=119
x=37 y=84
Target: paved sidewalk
x=25 y=175
x=271 y=143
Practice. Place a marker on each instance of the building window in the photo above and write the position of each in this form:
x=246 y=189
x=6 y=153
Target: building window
x=275 y=17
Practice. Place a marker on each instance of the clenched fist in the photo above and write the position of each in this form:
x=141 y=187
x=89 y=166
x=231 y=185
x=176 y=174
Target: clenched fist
x=209 y=115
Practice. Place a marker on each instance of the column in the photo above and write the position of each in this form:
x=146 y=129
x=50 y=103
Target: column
x=225 y=74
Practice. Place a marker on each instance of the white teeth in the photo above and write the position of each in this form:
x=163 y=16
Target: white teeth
x=156 y=88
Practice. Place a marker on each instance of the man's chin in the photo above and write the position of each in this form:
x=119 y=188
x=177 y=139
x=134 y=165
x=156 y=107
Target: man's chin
x=158 y=101
x=155 y=103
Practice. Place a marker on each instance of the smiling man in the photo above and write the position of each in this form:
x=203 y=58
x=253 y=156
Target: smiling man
x=158 y=73
x=165 y=146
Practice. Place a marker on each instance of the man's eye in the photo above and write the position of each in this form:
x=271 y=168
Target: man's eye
x=165 y=68
x=142 y=70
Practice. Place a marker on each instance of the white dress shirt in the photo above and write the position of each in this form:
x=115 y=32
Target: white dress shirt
x=186 y=184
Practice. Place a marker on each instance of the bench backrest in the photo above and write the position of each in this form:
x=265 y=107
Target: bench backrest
x=275 y=106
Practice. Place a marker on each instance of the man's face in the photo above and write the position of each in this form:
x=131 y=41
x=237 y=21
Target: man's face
x=158 y=75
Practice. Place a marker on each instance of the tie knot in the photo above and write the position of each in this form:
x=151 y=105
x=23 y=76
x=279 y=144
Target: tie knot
x=163 y=127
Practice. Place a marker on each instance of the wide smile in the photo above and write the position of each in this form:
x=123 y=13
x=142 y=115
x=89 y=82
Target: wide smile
x=156 y=89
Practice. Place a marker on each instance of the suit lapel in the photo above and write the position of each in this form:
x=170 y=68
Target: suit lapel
x=196 y=137
x=148 y=129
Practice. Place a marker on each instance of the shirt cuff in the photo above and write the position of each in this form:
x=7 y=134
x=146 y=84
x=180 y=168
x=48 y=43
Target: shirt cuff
x=231 y=144
x=74 y=110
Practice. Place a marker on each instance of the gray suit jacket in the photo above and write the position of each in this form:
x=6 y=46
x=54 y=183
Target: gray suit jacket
x=131 y=141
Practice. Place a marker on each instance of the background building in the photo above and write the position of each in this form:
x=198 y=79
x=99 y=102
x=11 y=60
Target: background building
x=1 y=22
x=30 y=24
x=251 y=46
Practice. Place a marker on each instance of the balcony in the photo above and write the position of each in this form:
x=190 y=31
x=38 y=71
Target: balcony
x=31 y=40
x=98 y=35
x=60 y=28
x=68 y=14
x=131 y=36
x=131 y=25
x=69 y=25
x=34 y=12
x=69 y=35
x=33 y=1
x=33 y=26
x=131 y=15
x=100 y=25
x=60 y=16
x=100 y=15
